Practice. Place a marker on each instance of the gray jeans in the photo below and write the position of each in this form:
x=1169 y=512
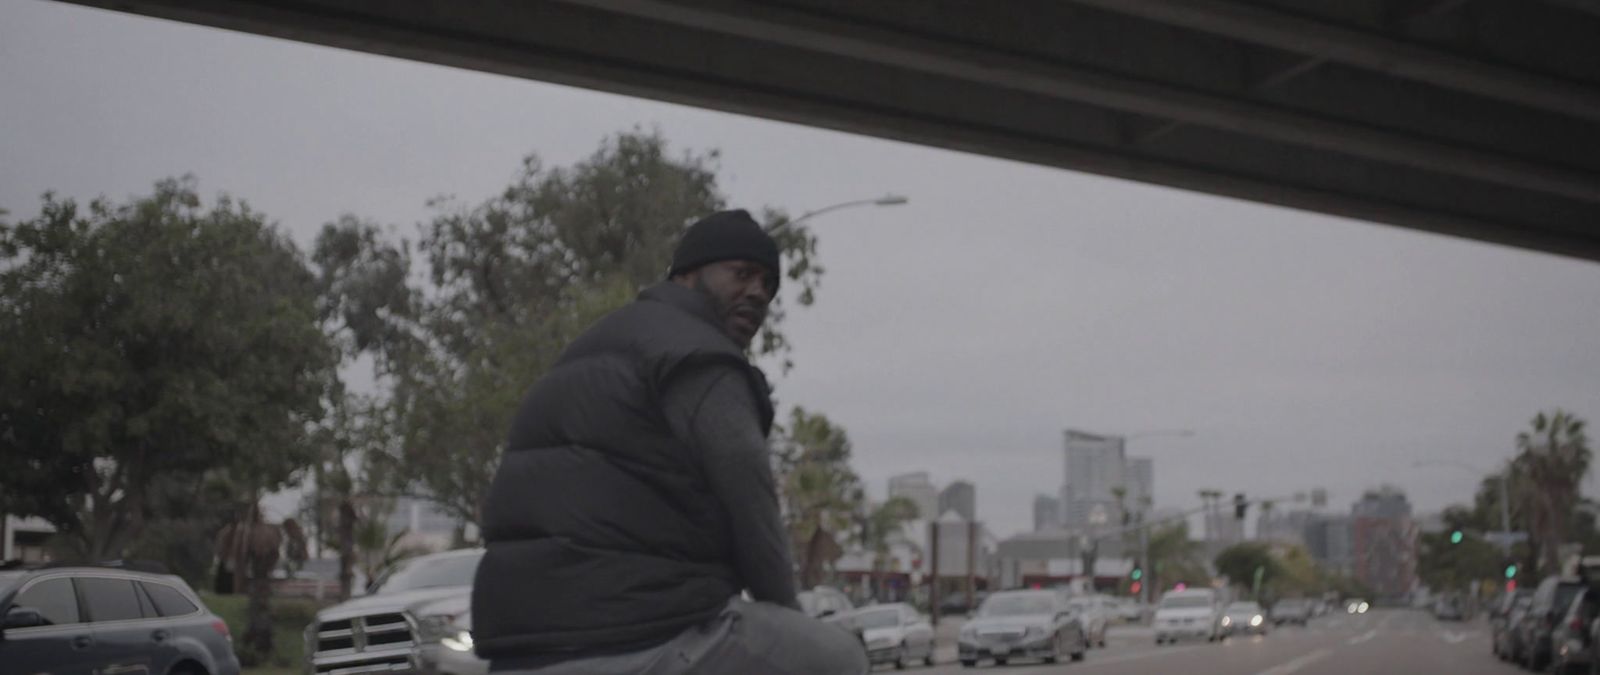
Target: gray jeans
x=746 y=638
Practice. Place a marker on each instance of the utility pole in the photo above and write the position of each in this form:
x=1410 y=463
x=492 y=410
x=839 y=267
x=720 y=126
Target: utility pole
x=1144 y=559
x=933 y=564
x=972 y=564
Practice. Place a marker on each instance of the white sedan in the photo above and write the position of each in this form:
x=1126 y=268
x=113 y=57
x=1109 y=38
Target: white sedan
x=893 y=633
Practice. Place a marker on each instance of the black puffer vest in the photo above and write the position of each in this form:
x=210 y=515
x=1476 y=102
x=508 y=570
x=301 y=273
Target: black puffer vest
x=599 y=527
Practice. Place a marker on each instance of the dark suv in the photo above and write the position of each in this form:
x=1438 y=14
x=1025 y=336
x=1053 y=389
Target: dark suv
x=1550 y=603
x=108 y=619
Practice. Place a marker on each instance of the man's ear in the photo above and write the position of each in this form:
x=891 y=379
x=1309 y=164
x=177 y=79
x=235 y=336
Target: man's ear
x=686 y=279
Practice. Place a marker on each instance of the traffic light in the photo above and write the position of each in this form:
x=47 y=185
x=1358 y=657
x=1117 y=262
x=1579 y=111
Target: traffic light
x=1239 y=506
x=1137 y=573
x=1511 y=571
x=1134 y=587
x=1511 y=586
x=1455 y=537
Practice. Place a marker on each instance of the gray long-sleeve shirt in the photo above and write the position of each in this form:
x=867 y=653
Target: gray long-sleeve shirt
x=713 y=410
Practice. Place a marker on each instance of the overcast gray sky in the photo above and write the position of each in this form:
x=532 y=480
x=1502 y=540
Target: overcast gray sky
x=958 y=334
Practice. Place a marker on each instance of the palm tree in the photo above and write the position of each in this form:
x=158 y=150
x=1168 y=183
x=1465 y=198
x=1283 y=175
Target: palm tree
x=880 y=528
x=1552 y=460
x=818 y=490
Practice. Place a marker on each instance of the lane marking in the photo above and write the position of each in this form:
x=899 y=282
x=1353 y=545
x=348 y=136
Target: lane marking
x=1362 y=637
x=1297 y=664
x=1455 y=638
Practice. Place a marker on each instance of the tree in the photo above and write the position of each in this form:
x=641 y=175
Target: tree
x=518 y=276
x=818 y=488
x=1174 y=557
x=152 y=339
x=882 y=526
x=249 y=548
x=1244 y=563
x=1552 y=458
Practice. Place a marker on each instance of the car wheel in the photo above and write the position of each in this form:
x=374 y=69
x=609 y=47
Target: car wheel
x=928 y=660
x=968 y=663
x=1078 y=655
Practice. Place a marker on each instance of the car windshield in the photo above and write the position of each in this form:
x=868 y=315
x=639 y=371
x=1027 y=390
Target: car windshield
x=454 y=570
x=1244 y=608
x=1018 y=605
x=1185 y=601
x=1564 y=595
x=877 y=618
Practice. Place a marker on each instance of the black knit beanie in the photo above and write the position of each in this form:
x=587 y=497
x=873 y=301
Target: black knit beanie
x=727 y=235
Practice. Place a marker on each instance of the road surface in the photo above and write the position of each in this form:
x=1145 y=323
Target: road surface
x=1401 y=641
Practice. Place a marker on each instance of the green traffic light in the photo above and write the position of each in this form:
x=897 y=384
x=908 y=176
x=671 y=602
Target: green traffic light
x=1511 y=571
x=1137 y=574
x=1455 y=537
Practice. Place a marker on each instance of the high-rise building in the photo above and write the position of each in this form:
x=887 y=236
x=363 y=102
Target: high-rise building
x=960 y=497
x=1095 y=465
x=1046 y=513
x=918 y=488
x=1328 y=541
x=1283 y=527
x=1384 y=542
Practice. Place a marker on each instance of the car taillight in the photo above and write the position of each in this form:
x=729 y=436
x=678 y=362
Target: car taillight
x=222 y=629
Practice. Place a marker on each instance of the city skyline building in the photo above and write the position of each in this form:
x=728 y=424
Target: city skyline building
x=960 y=496
x=1095 y=465
x=919 y=488
x=1383 y=540
x=1046 y=513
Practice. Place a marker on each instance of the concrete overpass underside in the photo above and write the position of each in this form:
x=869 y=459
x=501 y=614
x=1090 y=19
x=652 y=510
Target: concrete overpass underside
x=1473 y=118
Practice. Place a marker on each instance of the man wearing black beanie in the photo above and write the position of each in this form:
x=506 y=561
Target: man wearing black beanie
x=635 y=500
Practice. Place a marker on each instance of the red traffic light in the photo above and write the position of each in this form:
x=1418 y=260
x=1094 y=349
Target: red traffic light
x=1135 y=586
x=1511 y=585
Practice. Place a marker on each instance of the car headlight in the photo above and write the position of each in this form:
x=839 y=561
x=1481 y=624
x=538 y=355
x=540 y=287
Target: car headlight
x=461 y=641
x=1227 y=621
x=1255 y=620
x=443 y=629
x=1364 y=607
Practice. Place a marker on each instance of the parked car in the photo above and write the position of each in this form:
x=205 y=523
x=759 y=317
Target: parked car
x=417 y=616
x=824 y=601
x=1022 y=624
x=1244 y=618
x=1190 y=613
x=1508 y=635
x=1130 y=610
x=893 y=633
x=1291 y=610
x=78 y=620
x=1549 y=604
x=1094 y=616
x=1500 y=618
x=959 y=603
x=1449 y=607
x=1572 y=640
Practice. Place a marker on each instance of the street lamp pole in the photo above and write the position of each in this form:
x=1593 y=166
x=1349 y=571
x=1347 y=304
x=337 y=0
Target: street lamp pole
x=886 y=200
x=1144 y=532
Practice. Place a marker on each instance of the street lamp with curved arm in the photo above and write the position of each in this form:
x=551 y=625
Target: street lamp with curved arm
x=886 y=200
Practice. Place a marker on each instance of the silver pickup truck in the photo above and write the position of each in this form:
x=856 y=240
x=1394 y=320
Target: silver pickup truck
x=416 y=618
